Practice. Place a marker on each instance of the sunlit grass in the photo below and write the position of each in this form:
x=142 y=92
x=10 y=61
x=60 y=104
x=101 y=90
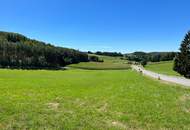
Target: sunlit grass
x=165 y=67
x=86 y=99
x=110 y=63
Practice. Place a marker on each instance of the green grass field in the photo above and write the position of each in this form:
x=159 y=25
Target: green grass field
x=88 y=99
x=165 y=67
x=110 y=63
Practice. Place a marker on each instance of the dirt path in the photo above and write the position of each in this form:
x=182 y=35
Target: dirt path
x=173 y=79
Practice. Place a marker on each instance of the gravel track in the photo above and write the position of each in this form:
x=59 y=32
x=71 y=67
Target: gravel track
x=173 y=79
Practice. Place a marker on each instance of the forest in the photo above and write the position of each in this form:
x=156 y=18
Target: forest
x=18 y=51
x=113 y=54
x=151 y=57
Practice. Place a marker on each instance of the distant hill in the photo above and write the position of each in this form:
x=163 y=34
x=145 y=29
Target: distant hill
x=151 y=56
x=113 y=54
x=18 y=51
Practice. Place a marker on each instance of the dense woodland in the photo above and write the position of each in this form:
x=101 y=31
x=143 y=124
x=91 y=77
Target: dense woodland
x=113 y=54
x=152 y=56
x=18 y=51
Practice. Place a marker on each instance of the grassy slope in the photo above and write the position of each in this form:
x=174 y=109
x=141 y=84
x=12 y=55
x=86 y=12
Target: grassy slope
x=83 y=99
x=165 y=67
x=110 y=63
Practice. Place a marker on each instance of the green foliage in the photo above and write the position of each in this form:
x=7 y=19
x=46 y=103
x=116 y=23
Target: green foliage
x=94 y=58
x=182 y=60
x=113 y=54
x=90 y=100
x=17 y=51
x=144 y=62
x=152 y=57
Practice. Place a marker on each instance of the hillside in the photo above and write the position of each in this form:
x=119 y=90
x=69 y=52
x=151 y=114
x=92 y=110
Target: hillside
x=151 y=56
x=18 y=51
x=110 y=63
x=164 y=67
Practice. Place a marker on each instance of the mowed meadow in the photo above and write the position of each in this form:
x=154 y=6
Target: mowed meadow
x=163 y=67
x=109 y=63
x=90 y=99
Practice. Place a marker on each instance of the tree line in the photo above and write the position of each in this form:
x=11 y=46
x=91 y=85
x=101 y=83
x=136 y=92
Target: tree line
x=18 y=51
x=113 y=54
x=150 y=57
x=94 y=58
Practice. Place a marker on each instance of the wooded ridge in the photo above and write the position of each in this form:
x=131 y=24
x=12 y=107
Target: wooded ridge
x=18 y=51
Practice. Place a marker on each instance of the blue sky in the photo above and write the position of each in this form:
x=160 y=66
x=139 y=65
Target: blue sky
x=105 y=25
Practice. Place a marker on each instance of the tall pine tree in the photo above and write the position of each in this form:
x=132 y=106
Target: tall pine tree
x=182 y=60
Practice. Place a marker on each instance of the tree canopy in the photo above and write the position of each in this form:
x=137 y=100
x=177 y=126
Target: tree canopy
x=182 y=60
x=113 y=54
x=18 y=51
x=152 y=56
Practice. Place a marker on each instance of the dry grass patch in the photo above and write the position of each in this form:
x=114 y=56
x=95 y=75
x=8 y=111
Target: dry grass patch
x=185 y=103
x=103 y=108
x=53 y=105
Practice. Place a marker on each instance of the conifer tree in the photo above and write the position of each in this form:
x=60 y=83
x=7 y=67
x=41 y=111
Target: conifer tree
x=182 y=60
